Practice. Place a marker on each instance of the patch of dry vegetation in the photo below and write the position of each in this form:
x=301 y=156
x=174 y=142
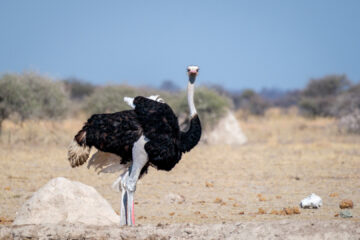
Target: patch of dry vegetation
x=287 y=158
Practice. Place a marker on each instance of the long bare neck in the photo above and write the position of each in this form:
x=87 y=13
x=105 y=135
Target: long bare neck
x=191 y=137
x=190 y=97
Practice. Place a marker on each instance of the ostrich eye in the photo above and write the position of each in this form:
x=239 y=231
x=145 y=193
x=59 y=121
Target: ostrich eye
x=188 y=70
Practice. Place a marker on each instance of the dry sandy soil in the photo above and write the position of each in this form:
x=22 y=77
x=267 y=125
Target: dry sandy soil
x=228 y=190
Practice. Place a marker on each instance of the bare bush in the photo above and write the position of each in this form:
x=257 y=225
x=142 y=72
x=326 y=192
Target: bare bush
x=251 y=102
x=347 y=102
x=320 y=94
x=350 y=123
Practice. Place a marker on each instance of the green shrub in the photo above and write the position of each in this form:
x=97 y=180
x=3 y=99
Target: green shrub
x=109 y=99
x=30 y=95
x=210 y=106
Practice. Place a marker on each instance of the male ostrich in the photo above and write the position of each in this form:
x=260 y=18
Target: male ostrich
x=135 y=139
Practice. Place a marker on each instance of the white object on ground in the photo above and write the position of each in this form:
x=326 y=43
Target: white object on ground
x=64 y=201
x=311 y=201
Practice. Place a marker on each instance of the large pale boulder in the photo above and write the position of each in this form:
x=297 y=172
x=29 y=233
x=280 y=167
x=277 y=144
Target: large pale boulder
x=226 y=131
x=65 y=201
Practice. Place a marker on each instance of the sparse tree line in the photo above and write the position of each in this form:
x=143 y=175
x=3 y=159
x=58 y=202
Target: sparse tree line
x=30 y=95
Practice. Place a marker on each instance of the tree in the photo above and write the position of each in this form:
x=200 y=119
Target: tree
x=320 y=94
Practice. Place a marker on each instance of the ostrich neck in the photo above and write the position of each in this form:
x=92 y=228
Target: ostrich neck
x=190 y=97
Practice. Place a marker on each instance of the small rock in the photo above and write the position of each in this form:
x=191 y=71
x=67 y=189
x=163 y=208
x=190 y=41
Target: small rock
x=346 y=203
x=335 y=194
x=209 y=184
x=261 y=211
x=346 y=214
x=218 y=200
x=289 y=211
x=274 y=212
x=241 y=213
x=175 y=198
x=296 y=210
x=172 y=214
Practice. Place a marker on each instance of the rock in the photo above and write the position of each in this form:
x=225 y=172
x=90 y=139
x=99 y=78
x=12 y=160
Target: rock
x=346 y=214
x=175 y=198
x=227 y=131
x=346 y=203
x=334 y=194
x=218 y=200
x=311 y=201
x=261 y=211
x=65 y=201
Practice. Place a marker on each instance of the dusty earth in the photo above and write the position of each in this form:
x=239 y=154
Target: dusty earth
x=226 y=191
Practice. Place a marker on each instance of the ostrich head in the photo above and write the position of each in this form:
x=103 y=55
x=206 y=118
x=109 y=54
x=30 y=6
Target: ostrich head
x=192 y=72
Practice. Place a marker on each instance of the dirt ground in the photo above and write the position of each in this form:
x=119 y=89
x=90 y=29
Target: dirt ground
x=286 y=159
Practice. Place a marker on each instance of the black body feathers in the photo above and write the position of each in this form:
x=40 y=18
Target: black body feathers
x=117 y=132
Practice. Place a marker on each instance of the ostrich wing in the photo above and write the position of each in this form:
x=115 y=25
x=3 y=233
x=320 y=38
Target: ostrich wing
x=113 y=133
x=160 y=126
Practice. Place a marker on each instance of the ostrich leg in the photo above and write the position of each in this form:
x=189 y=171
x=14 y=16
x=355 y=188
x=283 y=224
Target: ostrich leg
x=124 y=199
x=140 y=158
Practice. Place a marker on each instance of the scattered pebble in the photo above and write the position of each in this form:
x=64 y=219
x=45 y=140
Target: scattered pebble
x=274 y=212
x=209 y=184
x=235 y=205
x=261 y=198
x=261 y=211
x=335 y=194
x=346 y=203
x=172 y=214
x=346 y=214
x=175 y=198
x=218 y=200
x=278 y=197
x=286 y=211
x=241 y=213
x=5 y=220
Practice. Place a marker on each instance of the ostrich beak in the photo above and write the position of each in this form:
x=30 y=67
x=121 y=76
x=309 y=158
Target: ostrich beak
x=192 y=77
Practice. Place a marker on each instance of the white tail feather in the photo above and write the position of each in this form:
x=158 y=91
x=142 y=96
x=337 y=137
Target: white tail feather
x=77 y=154
x=107 y=163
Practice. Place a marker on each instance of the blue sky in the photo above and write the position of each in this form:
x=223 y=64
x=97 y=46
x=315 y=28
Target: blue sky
x=237 y=44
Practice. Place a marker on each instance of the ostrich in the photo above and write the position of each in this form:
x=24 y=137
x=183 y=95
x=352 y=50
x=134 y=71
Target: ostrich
x=130 y=141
